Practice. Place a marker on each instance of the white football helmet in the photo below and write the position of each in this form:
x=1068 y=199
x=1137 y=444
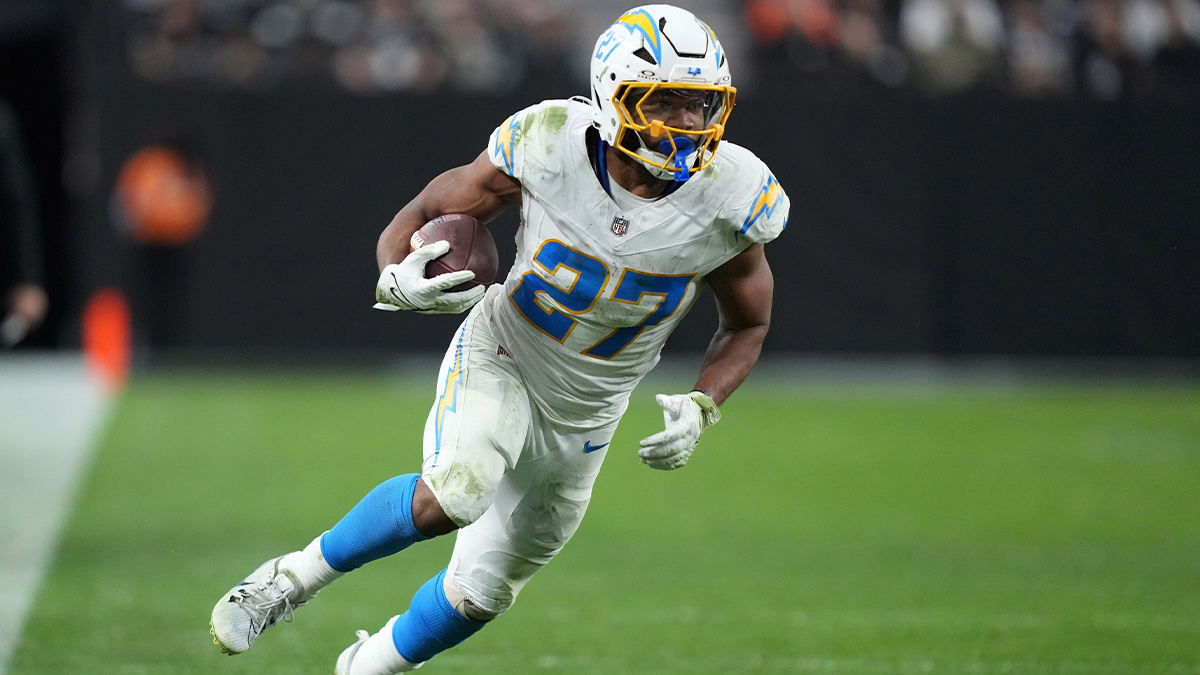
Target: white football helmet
x=658 y=55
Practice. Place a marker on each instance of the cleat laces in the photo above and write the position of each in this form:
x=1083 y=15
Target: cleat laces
x=265 y=603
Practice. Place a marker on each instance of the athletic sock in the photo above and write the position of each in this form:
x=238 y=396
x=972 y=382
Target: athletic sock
x=309 y=568
x=378 y=526
x=431 y=625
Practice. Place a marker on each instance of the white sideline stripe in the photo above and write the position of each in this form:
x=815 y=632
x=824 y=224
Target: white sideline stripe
x=50 y=415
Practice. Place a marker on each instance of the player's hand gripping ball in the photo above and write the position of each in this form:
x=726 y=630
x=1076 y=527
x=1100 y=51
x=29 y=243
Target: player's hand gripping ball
x=452 y=260
x=471 y=248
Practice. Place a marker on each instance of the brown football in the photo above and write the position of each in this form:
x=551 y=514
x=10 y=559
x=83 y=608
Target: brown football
x=471 y=248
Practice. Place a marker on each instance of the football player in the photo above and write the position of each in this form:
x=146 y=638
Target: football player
x=631 y=204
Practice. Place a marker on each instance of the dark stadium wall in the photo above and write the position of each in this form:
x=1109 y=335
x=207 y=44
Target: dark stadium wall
x=972 y=225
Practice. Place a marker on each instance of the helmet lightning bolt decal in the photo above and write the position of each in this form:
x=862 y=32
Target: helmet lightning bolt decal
x=641 y=21
x=720 y=53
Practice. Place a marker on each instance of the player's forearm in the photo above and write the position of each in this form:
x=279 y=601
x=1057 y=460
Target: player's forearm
x=729 y=359
x=393 y=243
x=477 y=189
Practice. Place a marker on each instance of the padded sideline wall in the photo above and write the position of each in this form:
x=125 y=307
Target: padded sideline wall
x=972 y=225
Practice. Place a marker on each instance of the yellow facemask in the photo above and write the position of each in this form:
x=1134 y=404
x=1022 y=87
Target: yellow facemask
x=648 y=107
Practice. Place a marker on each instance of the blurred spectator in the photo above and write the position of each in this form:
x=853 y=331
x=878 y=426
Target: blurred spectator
x=1039 y=59
x=1105 y=65
x=162 y=201
x=868 y=41
x=1177 y=63
x=1032 y=48
x=954 y=44
x=1144 y=24
x=364 y=46
x=21 y=284
x=162 y=196
x=822 y=40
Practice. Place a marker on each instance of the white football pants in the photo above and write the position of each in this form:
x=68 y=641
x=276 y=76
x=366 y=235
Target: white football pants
x=516 y=482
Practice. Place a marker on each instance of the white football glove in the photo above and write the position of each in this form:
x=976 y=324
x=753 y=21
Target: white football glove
x=685 y=417
x=404 y=286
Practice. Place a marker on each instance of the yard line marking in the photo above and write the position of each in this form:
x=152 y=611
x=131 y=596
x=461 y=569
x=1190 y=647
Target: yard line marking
x=50 y=415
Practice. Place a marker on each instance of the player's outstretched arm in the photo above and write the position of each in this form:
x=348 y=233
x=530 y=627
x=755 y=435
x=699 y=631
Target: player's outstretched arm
x=477 y=189
x=743 y=287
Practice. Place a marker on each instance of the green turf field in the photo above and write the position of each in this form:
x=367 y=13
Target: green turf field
x=960 y=530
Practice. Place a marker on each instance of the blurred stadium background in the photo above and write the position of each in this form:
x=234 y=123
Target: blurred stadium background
x=973 y=445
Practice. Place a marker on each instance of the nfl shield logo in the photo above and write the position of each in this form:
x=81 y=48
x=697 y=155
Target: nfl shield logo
x=620 y=226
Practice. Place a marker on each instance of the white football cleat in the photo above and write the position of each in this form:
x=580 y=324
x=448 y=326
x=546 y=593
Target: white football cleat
x=347 y=655
x=374 y=655
x=260 y=601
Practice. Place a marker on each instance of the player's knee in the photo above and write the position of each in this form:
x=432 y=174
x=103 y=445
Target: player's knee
x=465 y=491
x=480 y=609
x=464 y=505
x=427 y=513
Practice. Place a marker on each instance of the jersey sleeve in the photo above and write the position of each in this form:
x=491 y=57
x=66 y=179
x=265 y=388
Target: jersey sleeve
x=510 y=144
x=759 y=208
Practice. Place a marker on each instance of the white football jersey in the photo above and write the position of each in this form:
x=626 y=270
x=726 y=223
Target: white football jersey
x=595 y=290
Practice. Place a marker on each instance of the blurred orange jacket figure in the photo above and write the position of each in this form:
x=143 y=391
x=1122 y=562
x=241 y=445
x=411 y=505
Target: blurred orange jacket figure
x=162 y=198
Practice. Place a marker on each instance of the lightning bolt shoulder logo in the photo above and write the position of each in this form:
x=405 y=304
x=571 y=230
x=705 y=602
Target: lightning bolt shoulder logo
x=507 y=137
x=764 y=205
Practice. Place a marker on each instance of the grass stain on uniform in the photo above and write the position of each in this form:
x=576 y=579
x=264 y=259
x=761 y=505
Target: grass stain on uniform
x=550 y=121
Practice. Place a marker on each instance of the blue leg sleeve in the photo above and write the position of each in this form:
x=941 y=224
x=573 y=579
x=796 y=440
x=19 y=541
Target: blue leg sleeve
x=431 y=626
x=378 y=526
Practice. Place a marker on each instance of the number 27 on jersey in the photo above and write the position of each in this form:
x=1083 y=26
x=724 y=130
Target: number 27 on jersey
x=591 y=276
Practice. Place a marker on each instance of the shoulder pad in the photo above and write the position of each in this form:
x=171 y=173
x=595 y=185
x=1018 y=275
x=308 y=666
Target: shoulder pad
x=526 y=134
x=758 y=206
